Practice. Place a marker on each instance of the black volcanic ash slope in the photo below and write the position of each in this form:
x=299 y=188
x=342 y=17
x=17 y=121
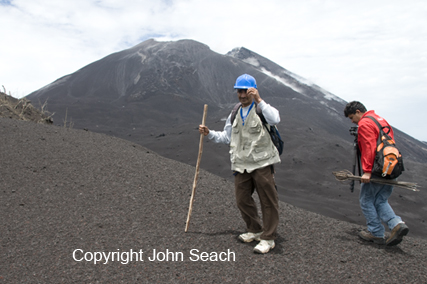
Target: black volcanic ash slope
x=64 y=190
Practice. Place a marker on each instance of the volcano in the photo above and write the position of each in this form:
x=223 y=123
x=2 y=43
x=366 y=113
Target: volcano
x=153 y=94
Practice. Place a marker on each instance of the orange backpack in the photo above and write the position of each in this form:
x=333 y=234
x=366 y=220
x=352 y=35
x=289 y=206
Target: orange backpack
x=388 y=161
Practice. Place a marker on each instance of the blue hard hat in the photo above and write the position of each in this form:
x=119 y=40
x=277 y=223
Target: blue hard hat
x=245 y=81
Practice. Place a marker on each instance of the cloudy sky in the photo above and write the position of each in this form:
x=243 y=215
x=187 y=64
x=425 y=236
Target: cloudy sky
x=374 y=51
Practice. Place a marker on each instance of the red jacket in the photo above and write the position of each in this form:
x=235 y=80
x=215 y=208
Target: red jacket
x=367 y=136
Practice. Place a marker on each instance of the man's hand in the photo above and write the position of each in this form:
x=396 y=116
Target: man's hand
x=255 y=95
x=203 y=130
x=366 y=178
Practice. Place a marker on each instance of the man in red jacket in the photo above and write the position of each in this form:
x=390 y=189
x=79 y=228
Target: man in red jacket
x=374 y=196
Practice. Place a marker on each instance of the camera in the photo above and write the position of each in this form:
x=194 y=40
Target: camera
x=353 y=130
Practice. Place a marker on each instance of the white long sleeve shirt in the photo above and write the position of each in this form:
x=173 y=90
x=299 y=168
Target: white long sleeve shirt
x=271 y=115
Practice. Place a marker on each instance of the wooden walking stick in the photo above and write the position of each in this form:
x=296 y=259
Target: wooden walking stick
x=197 y=170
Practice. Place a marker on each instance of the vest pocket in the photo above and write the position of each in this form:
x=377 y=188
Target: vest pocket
x=254 y=127
x=260 y=154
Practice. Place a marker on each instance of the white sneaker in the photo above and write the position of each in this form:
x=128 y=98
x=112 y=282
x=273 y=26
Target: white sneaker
x=249 y=237
x=264 y=246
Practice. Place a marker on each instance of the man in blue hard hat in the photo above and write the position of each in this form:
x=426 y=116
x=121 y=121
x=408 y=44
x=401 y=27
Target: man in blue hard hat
x=252 y=155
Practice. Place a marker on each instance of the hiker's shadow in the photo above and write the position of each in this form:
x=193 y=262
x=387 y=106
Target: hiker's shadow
x=226 y=232
x=278 y=249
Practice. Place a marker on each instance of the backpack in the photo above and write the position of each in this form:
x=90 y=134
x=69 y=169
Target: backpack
x=272 y=129
x=388 y=161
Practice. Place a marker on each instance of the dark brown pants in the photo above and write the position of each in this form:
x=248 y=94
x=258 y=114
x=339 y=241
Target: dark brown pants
x=263 y=181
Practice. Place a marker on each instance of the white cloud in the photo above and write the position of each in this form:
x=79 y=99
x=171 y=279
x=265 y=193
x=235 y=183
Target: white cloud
x=372 y=51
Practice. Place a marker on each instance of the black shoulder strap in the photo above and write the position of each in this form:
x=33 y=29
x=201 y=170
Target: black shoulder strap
x=259 y=112
x=379 y=125
x=234 y=112
x=376 y=121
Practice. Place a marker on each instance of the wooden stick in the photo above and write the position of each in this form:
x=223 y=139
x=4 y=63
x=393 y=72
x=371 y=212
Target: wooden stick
x=197 y=170
x=347 y=175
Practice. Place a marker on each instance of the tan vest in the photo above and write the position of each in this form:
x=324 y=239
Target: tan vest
x=251 y=147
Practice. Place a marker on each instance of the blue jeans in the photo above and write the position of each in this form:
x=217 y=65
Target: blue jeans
x=374 y=203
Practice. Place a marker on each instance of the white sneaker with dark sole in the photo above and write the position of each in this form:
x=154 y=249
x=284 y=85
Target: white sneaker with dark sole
x=249 y=237
x=264 y=246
